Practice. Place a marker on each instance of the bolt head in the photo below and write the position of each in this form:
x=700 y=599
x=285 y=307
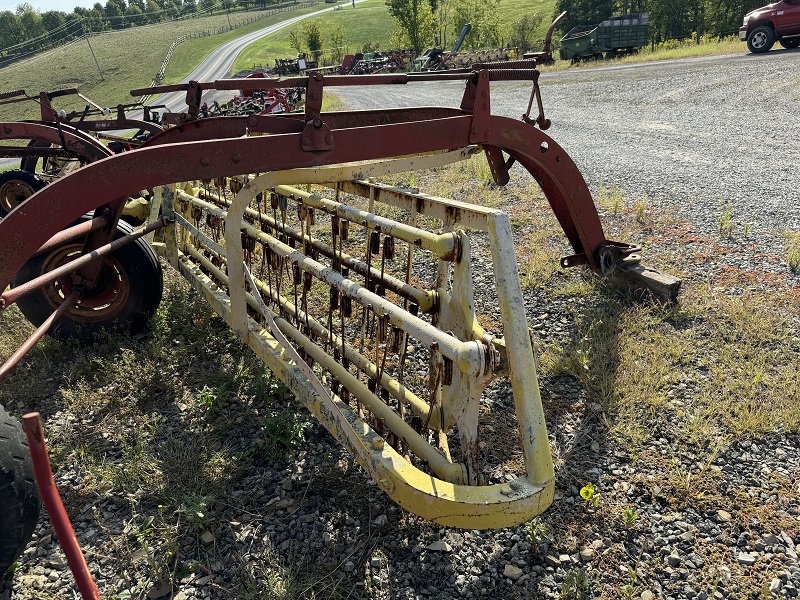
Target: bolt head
x=205 y=161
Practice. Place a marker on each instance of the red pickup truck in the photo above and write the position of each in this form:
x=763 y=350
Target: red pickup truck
x=779 y=22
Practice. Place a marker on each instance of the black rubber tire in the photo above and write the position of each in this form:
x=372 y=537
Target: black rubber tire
x=760 y=39
x=128 y=294
x=16 y=186
x=20 y=506
x=789 y=43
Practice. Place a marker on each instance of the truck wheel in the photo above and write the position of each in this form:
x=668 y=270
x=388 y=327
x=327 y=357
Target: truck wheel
x=760 y=39
x=16 y=186
x=19 y=510
x=128 y=292
x=789 y=43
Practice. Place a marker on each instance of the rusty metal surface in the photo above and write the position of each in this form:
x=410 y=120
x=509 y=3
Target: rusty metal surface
x=55 y=507
x=76 y=142
x=252 y=245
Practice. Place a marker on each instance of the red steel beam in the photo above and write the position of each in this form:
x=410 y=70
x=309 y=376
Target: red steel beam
x=13 y=361
x=55 y=206
x=9 y=297
x=55 y=507
x=74 y=232
x=78 y=142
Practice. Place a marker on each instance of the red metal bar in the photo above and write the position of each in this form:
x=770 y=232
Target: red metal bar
x=8 y=298
x=78 y=142
x=13 y=361
x=74 y=232
x=55 y=507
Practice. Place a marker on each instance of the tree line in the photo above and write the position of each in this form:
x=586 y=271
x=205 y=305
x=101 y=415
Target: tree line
x=425 y=23
x=437 y=23
x=26 y=29
x=669 y=19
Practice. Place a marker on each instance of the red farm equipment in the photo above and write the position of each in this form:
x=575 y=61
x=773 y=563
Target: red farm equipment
x=324 y=283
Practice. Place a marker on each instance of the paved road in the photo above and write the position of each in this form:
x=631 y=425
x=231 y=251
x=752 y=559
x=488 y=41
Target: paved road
x=696 y=133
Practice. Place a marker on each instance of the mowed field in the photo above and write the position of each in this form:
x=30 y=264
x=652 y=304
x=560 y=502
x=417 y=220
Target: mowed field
x=370 y=22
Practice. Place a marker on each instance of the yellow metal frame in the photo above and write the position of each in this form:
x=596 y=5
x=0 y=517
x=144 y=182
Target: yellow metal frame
x=443 y=497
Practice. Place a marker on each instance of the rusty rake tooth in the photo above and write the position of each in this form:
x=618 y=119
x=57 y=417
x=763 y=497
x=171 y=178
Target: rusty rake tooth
x=382 y=325
x=311 y=217
x=447 y=371
x=347 y=306
x=397 y=338
x=374 y=242
x=297 y=275
x=344 y=229
x=307 y=279
x=335 y=226
x=334 y=295
x=273 y=201
x=388 y=247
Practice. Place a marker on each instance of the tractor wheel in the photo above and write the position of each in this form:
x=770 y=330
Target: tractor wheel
x=760 y=39
x=15 y=187
x=19 y=510
x=128 y=292
x=789 y=43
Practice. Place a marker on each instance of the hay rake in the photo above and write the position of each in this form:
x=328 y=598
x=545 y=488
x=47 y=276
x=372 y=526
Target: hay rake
x=356 y=294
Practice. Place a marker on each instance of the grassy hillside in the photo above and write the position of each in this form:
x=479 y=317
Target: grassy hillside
x=128 y=59
x=370 y=22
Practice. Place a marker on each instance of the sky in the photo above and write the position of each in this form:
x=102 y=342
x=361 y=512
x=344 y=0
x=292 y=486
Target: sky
x=45 y=5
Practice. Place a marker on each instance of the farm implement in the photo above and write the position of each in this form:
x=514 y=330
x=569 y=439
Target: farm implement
x=60 y=141
x=357 y=294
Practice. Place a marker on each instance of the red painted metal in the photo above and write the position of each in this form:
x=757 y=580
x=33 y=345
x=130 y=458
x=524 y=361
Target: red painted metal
x=72 y=233
x=55 y=507
x=77 y=142
x=9 y=297
x=211 y=148
x=14 y=359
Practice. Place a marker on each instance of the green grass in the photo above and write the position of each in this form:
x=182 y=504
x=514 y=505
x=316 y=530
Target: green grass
x=190 y=53
x=370 y=22
x=128 y=59
x=673 y=49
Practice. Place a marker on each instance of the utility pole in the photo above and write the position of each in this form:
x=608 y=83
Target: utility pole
x=92 y=51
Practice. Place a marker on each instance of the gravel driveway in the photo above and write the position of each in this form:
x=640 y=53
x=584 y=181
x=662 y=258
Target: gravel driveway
x=698 y=132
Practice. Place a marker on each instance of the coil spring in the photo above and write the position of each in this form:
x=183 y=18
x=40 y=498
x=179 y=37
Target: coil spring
x=509 y=64
x=513 y=75
x=11 y=94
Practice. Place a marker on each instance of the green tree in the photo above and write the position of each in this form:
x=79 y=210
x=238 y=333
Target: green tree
x=134 y=16
x=152 y=11
x=522 y=33
x=10 y=29
x=337 y=48
x=207 y=6
x=484 y=16
x=295 y=41
x=114 y=15
x=415 y=22
x=30 y=21
x=584 y=12
x=52 y=19
x=312 y=35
